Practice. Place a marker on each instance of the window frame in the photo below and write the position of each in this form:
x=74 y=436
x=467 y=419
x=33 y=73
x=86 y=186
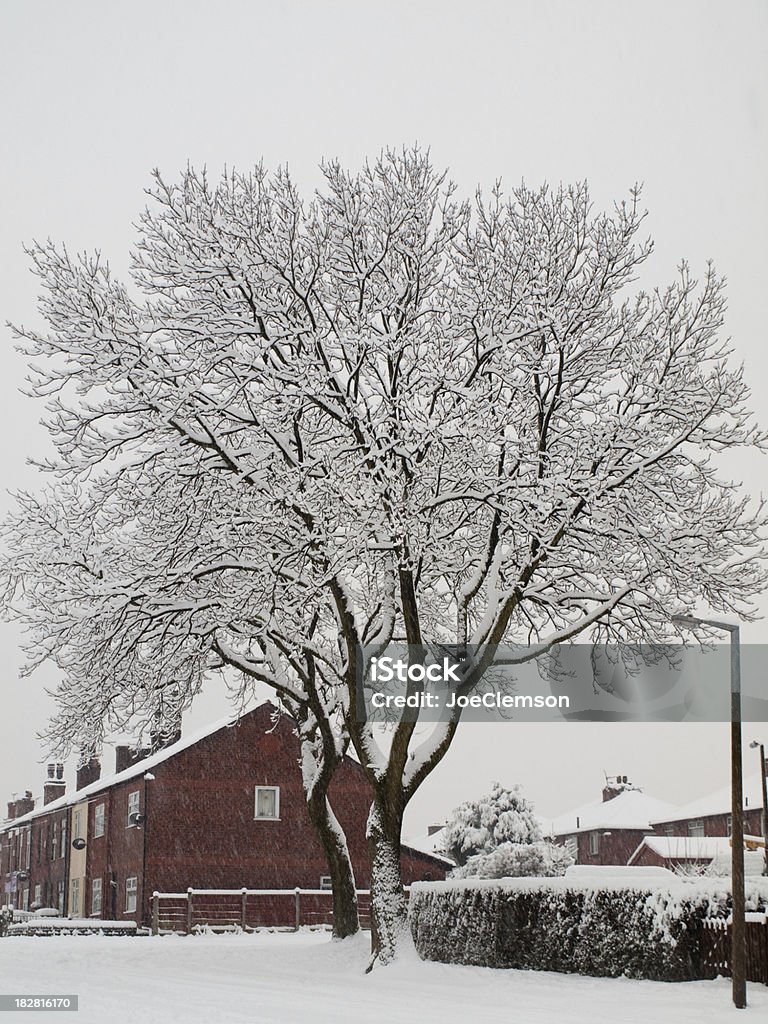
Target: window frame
x=133 y=809
x=99 y=820
x=131 y=894
x=266 y=817
x=594 y=843
x=75 y=897
x=694 y=825
x=97 y=885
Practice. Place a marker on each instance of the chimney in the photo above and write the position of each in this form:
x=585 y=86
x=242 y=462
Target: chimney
x=159 y=740
x=614 y=786
x=88 y=772
x=21 y=805
x=126 y=756
x=54 y=785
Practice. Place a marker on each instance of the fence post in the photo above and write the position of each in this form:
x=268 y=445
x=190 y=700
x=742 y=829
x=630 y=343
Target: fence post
x=155 y=913
x=189 y=911
x=244 y=898
x=297 y=906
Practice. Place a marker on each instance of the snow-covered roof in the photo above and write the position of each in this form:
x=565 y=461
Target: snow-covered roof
x=713 y=850
x=429 y=844
x=718 y=802
x=139 y=768
x=631 y=809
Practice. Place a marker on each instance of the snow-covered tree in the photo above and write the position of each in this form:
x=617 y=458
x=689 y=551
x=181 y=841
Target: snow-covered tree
x=480 y=826
x=384 y=413
x=516 y=860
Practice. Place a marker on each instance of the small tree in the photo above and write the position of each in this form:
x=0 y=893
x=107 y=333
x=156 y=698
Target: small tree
x=384 y=414
x=478 y=827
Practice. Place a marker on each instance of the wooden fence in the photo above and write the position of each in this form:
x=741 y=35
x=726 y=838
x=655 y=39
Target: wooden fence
x=247 y=909
x=716 y=950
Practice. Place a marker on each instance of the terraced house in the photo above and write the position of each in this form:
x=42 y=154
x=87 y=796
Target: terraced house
x=223 y=808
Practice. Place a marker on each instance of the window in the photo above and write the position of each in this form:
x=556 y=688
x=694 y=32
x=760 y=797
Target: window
x=60 y=897
x=695 y=828
x=594 y=843
x=96 y=898
x=75 y=908
x=325 y=882
x=77 y=824
x=669 y=830
x=133 y=805
x=131 y=885
x=63 y=848
x=268 y=802
x=98 y=821
x=38 y=895
x=729 y=825
x=54 y=841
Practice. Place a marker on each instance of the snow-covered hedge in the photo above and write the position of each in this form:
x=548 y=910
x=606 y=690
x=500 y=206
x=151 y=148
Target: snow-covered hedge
x=605 y=929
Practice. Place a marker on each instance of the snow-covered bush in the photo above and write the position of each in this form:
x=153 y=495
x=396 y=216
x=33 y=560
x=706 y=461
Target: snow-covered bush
x=478 y=827
x=515 y=860
x=641 y=931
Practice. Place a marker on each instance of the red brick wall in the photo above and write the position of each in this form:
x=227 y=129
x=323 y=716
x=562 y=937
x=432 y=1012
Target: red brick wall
x=615 y=848
x=714 y=825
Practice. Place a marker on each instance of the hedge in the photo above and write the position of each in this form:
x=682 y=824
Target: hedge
x=639 y=930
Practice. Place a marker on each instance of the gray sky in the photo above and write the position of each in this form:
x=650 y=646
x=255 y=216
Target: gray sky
x=673 y=94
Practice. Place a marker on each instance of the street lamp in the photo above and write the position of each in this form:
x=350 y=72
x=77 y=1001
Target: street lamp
x=752 y=746
x=738 y=927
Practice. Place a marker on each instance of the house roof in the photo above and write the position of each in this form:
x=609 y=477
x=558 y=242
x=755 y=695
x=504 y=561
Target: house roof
x=429 y=844
x=717 y=802
x=139 y=768
x=713 y=850
x=631 y=809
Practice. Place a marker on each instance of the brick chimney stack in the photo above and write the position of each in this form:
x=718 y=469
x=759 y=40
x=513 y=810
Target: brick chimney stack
x=126 y=756
x=614 y=786
x=54 y=785
x=88 y=772
x=21 y=805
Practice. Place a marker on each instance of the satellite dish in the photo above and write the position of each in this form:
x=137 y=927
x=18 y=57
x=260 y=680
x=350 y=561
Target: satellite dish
x=78 y=844
x=22 y=875
x=134 y=818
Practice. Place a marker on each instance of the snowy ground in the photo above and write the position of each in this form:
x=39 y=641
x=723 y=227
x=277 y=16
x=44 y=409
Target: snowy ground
x=287 y=978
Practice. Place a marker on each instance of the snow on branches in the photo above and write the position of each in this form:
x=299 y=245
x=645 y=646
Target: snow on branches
x=381 y=413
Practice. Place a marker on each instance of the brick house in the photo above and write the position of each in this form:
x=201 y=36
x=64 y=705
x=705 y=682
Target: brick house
x=220 y=809
x=711 y=815
x=608 y=831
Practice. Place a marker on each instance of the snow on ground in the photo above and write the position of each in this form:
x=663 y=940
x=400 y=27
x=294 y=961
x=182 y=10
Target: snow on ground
x=286 y=978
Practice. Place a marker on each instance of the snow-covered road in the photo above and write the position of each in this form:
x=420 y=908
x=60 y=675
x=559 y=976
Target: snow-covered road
x=287 y=978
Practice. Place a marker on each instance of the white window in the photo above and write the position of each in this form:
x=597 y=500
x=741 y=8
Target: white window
x=38 y=894
x=74 y=909
x=25 y=899
x=77 y=825
x=133 y=805
x=268 y=802
x=63 y=846
x=325 y=882
x=131 y=885
x=695 y=828
x=98 y=820
x=669 y=830
x=60 y=897
x=96 y=897
x=594 y=843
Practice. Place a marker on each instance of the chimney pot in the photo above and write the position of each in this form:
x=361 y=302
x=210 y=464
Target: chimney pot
x=51 y=770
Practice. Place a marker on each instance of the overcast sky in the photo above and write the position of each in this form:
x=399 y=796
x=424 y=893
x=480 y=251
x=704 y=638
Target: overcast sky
x=672 y=94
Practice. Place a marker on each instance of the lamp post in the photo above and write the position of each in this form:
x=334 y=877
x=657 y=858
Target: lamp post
x=738 y=927
x=752 y=745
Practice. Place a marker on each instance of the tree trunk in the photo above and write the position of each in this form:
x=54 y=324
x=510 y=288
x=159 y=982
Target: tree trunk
x=389 y=907
x=331 y=835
